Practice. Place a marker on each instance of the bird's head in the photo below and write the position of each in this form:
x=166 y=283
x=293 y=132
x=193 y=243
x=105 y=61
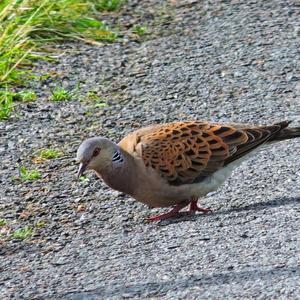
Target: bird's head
x=94 y=153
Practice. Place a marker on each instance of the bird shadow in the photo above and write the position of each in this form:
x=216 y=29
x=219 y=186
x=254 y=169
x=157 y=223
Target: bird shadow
x=158 y=289
x=277 y=202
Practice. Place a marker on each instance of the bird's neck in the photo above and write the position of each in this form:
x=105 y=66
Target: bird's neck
x=120 y=173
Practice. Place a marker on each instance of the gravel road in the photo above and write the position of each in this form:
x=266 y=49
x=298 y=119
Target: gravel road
x=227 y=61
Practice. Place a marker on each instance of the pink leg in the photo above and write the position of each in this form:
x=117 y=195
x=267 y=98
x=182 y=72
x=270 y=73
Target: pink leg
x=194 y=207
x=173 y=213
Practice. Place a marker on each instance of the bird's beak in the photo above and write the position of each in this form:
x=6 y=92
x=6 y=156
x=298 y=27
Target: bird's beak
x=81 y=169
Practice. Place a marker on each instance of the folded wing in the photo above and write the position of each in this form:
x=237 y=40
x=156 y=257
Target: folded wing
x=188 y=152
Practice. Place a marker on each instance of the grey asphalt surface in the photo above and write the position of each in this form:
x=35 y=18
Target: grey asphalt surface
x=226 y=61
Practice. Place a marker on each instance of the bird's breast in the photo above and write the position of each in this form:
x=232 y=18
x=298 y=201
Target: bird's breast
x=117 y=179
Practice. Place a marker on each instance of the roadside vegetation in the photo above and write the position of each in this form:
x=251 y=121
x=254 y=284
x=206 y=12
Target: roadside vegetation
x=10 y=230
x=29 y=175
x=28 y=27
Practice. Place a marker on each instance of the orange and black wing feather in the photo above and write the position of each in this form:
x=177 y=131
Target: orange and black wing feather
x=188 y=152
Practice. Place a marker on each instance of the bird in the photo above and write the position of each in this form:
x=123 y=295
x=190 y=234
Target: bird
x=174 y=164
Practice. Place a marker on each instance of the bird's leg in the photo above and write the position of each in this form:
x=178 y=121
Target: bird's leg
x=173 y=213
x=194 y=207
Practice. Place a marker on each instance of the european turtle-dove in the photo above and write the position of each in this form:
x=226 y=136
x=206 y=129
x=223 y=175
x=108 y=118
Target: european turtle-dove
x=176 y=163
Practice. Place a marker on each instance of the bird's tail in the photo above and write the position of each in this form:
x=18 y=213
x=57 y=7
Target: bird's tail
x=285 y=133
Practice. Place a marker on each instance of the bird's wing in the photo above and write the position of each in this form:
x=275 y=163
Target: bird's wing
x=188 y=152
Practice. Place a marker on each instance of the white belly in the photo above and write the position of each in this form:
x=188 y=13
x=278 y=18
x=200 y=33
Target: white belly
x=213 y=182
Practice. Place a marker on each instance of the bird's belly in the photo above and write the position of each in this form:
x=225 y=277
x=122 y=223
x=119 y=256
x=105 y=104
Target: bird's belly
x=214 y=181
x=161 y=196
x=164 y=195
x=211 y=183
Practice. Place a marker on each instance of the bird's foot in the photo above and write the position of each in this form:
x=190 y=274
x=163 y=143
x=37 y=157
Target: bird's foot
x=194 y=208
x=171 y=214
x=161 y=217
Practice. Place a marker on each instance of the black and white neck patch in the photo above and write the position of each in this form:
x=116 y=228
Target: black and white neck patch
x=117 y=157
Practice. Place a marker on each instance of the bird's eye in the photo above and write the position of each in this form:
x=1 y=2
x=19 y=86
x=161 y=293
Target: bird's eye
x=96 y=152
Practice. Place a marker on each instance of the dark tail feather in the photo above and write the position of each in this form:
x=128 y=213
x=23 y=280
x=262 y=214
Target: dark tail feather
x=285 y=133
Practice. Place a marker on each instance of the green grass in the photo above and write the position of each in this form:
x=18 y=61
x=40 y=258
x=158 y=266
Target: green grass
x=6 y=104
x=3 y=222
x=100 y=105
x=84 y=179
x=8 y=99
x=108 y=5
x=140 y=30
x=40 y=224
x=97 y=101
x=29 y=175
x=22 y=233
x=92 y=96
x=27 y=95
x=49 y=153
x=61 y=94
x=27 y=27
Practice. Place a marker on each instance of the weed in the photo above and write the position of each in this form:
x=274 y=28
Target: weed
x=7 y=99
x=100 y=105
x=40 y=224
x=27 y=26
x=60 y=94
x=3 y=222
x=44 y=77
x=84 y=179
x=91 y=95
x=23 y=233
x=29 y=175
x=97 y=30
x=140 y=30
x=49 y=153
x=6 y=104
x=88 y=113
x=108 y=5
x=27 y=95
